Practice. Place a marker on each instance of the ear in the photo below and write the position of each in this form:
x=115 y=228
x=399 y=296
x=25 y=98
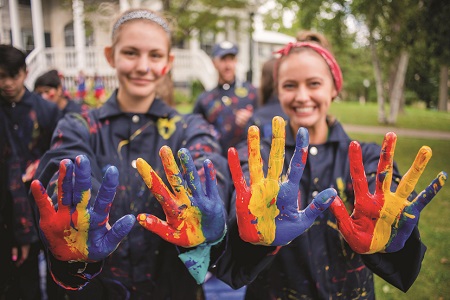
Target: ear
x=334 y=93
x=109 y=55
x=170 y=62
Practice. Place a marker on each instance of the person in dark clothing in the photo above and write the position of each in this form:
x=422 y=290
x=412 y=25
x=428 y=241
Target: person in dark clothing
x=126 y=132
x=26 y=124
x=337 y=256
x=230 y=105
x=49 y=86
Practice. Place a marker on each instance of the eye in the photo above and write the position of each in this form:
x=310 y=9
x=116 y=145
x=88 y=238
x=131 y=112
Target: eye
x=315 y=83
x=288 y=85
x=129 y=52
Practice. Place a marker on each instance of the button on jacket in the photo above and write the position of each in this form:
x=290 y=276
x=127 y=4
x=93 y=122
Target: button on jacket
x=319 y=264
x=143 y=263
x=219 y=107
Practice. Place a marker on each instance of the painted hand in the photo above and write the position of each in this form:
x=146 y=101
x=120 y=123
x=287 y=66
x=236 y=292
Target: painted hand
x=193 y=217
x=78 y=229
x=383 y=221
x=267 y=211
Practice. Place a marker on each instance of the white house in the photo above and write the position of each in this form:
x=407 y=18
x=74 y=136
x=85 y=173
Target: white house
x=63 y=35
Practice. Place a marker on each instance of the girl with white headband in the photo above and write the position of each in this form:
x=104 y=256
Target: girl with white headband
x=183 y=223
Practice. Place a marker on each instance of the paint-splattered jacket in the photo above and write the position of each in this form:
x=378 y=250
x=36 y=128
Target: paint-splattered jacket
x=219 y=107
x=143 y=264
x=26 y=128
x=319 y=264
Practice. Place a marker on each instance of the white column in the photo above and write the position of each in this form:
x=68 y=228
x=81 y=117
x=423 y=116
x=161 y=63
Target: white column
x=38 y=24
x=79 y=33
x=124 y=5
x=15 y=24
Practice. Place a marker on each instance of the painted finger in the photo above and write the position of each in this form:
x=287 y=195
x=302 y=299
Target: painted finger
x=254 y=156
x=236 y=171
x=82 y=187
x=156 y=185
x=428 y=194
x=119 y=231
x=161 y=228
x=43 y=201
x=276 y=157
x=105 y=196
x=409 y=180
x=210 y=180
x=385 y=164
x=320 y=203
x=173 y=174
x=65 y=185
x=298 y=160
x=343 y=219
x=357 y=172
x=190 y=173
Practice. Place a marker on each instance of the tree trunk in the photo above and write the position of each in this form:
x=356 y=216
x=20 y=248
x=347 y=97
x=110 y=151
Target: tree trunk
x=378 y=83
x=443 y=88
x=397 y=87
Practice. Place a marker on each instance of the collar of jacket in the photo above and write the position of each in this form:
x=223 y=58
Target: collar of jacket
x=111 y=108
x=336 y=132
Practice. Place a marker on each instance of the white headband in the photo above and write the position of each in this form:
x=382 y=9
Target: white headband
x=141 y=14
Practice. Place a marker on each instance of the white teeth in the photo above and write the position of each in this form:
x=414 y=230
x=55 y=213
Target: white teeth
x=303 y=109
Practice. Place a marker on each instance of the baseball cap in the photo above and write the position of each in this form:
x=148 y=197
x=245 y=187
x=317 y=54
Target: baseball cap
x=224 y=48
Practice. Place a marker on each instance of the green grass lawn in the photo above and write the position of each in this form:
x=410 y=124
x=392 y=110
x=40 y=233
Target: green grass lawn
x=416 y=118
x=434 y=279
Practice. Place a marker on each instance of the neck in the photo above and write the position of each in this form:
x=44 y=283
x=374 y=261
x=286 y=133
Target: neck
x=133 y=104
x=318 y=134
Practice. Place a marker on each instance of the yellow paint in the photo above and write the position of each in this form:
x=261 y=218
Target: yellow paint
x=77 y=240
x=166 y=127
x=411 y=177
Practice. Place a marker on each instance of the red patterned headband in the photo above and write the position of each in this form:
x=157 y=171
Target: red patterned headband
x=327 y=56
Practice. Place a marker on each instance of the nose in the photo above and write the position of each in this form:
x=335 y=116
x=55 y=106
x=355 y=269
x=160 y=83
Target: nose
x=302 y=94
x=143 y=65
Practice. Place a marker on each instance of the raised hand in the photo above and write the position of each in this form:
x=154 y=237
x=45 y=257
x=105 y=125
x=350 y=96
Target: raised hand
x=383 y=221
x=267 y=210
x=78 y=229
x=193 y=217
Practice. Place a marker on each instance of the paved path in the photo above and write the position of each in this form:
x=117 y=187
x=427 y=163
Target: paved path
x=426 y=134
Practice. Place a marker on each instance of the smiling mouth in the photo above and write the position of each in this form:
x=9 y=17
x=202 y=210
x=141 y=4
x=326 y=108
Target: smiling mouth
x=303 y=110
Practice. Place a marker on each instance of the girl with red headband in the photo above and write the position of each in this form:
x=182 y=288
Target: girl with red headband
x=337 y=256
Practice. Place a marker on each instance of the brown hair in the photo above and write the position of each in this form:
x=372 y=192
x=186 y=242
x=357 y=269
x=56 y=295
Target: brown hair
x=267 y=82
x=315 y=37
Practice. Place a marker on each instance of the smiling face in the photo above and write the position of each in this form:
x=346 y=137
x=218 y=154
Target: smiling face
x=305 y=90
x=140 y=55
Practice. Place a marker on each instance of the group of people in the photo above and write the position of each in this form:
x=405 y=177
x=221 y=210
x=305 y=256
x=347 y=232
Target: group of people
x=119 y=218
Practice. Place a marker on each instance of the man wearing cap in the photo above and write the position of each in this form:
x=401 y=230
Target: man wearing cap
x=230 y=105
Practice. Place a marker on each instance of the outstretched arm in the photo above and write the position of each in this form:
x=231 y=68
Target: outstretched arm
x=77 y=229
x=267 y=210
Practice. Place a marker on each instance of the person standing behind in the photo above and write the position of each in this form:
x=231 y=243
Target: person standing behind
x=230 y=105
x=49 y=86
x=27 y=122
